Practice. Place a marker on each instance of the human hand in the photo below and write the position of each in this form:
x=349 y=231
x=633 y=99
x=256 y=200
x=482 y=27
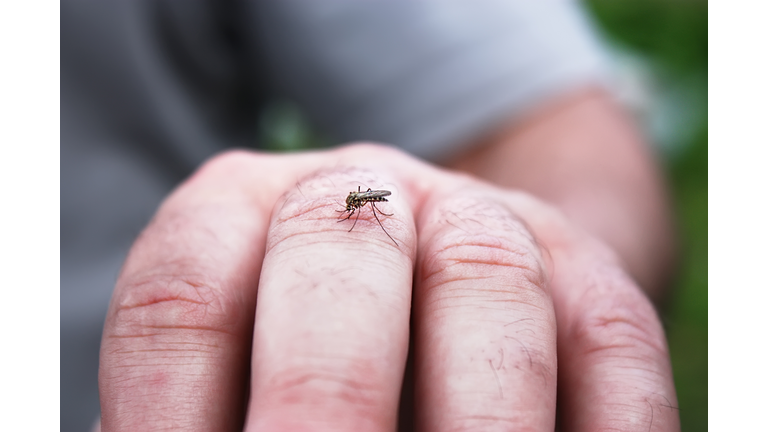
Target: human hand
x=244 y=302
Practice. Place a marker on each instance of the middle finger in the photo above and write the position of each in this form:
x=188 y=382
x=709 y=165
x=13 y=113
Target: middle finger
x=331 y=331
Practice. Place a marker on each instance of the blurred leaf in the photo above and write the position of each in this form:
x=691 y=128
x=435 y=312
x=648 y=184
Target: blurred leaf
x=283 y=127
x=673 y=32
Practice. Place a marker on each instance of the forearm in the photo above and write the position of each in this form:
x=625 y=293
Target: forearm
x=584 y=155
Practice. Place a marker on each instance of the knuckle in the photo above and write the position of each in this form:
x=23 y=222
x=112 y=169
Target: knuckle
x=372 y=149
x=298 y=206
x=478 y=238
x=350 y=387
x=620 y=321
x=481 y=254
x=232 y=164
x=321 y=198
x=297 y=219
x=168 y=302
x=511 y=277
x=228 y=160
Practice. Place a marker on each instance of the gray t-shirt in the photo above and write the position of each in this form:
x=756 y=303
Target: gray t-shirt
x=150 y=89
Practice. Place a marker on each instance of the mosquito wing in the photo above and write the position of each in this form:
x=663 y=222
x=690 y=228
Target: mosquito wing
x=372 y=194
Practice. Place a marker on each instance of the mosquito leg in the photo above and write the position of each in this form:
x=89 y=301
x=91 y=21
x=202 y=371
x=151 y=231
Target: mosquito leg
x=353 y=225
x=349 y=215
x=374 y=205
x=373 y=208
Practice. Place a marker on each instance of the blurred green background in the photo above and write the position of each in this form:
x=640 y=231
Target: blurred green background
x=671 y=38
x=661 y=50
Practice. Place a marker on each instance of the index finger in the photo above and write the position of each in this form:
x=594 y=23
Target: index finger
x=176 y=339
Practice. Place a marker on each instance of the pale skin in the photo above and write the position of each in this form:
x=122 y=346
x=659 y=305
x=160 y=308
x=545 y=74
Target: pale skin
x=245 y=305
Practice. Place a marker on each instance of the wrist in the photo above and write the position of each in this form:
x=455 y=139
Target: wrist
x=583 y=155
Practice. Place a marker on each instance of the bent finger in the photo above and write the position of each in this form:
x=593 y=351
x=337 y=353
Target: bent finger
x=331 y=330
x=484 y=322
x=615 y=369
x=176 y=340
x=615 y=372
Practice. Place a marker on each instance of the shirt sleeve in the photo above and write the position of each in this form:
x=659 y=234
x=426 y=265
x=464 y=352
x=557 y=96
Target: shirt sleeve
x=425 y=76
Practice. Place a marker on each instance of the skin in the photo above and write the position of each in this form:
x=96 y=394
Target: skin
x=245 y=305
x=582 y=153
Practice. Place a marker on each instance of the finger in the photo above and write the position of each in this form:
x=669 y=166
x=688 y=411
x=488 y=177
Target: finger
x=331 y=331
x=484 y=322
x=614 y=371
x=176 y=341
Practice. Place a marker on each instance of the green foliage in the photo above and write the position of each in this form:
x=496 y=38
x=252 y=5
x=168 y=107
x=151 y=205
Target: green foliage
x=284 y=128
x=674 y=32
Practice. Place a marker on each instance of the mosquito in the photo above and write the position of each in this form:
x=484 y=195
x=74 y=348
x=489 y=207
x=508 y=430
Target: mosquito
x=358 y=200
